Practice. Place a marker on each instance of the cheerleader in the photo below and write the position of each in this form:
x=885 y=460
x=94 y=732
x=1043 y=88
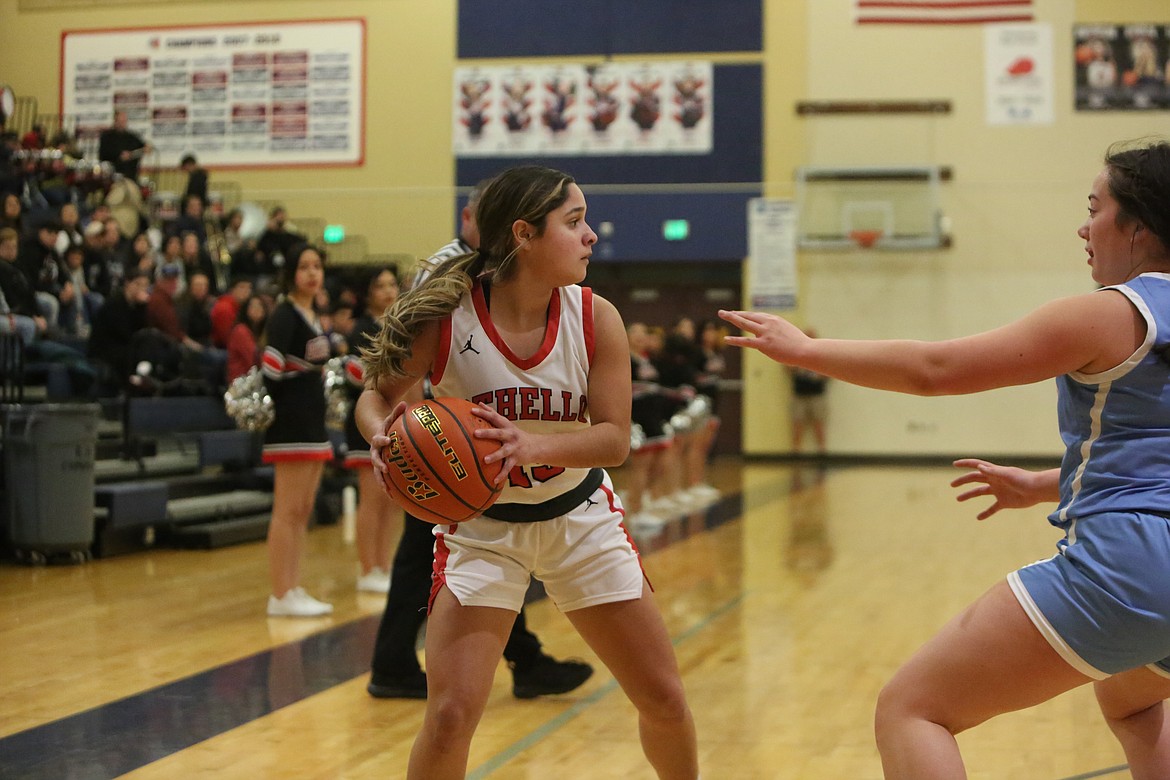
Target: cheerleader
x=296 y=443
x=378 y=517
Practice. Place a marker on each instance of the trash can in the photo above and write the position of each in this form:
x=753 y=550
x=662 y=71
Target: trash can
x=49 y=478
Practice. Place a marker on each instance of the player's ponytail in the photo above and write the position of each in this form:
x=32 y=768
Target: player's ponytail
x=435 y=298
x=528 y=193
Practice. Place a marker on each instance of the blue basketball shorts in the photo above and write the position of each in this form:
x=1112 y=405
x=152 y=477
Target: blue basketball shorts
x=1103 y=602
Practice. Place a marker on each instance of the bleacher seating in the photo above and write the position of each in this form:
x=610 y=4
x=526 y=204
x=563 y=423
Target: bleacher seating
x=170 y=470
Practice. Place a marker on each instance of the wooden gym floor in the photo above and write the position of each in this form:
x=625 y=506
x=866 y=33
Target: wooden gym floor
x=790 y=602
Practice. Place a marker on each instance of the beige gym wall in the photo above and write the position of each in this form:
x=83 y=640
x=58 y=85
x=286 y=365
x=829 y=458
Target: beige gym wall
x=1017 y=198
x=400 y=200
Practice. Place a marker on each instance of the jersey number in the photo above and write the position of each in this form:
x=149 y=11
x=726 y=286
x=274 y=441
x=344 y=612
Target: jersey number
x=524 y=476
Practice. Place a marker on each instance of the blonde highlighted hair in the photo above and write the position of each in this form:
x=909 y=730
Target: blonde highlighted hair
x=527 y=192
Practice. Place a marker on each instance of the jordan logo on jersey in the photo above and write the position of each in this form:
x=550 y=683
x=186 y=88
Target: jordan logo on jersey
x=467 y=347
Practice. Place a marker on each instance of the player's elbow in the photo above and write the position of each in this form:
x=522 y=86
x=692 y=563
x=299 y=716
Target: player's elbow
x=940 y=377
x=616 y=448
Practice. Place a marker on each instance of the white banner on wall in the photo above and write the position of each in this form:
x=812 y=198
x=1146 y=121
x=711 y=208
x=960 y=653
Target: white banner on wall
x=615 y=108
x=1018 y=74
x=772 y=282
x=264 y=94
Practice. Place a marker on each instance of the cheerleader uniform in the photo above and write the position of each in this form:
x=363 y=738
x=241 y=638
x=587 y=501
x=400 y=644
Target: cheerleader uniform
x=296 y=351
x=650 y=410
x=357 y=449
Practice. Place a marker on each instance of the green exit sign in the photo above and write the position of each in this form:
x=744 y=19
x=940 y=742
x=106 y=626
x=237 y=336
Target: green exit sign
x=676 y=229
x=334 y=234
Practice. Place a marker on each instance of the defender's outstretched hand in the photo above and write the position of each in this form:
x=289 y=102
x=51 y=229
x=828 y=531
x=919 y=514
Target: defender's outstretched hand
x=1012 y=488
x=773 y=336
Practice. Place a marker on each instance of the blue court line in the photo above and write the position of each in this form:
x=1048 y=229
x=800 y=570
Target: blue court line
x=535 y=737
x=115 y=738
x=1099 y=773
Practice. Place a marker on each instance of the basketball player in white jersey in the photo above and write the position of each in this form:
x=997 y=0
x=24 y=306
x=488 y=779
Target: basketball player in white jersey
x=509 y=327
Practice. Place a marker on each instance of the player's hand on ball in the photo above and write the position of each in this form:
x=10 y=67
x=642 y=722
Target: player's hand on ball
x=516 y=446
x=381 y=440
x=773 y=336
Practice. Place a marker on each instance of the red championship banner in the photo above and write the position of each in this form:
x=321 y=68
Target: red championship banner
x=942 y=12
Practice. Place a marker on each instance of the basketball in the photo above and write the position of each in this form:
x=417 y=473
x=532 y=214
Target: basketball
x=436 y=469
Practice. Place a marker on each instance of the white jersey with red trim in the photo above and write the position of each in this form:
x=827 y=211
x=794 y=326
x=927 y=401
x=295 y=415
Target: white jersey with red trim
x=545 y=393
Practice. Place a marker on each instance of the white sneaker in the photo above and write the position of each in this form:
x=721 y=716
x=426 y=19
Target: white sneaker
x=668 y=506
x=646 y=521
x=377 y=580
x=297 y=603
x=703 y=493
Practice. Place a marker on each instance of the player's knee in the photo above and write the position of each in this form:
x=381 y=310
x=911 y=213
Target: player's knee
x=668 y=703
x=901 y=705
x=452 y=720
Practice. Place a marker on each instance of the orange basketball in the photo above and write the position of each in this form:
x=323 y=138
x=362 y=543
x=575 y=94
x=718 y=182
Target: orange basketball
x=436 y=469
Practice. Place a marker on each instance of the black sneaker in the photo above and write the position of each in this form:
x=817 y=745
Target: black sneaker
x=548 y=677
x=411 y=687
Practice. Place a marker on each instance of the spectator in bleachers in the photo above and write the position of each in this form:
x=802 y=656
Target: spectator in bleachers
x=162 y=313
x=12 y=213
x=196 y=260
x=225 y=310
x=116 y=240
x=19 y=311
x=172 y=253
x=190 y=219
x=243 y=343
x=232 y=239
x=77 y=319
x=123 y=148
x=143 y=255
x=114 y=328
x=275 y=243
x=196 y=179
x=99 y=214
x=100 y=266
x=194 y=306
x=35 y=138
x=41 y=265
x=69 y=218
x=10 y=179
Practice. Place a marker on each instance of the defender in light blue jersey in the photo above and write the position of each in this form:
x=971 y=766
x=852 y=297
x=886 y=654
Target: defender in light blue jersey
x=1099 y=610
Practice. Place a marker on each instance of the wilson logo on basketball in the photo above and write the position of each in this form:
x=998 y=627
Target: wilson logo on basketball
x=416 y=486
x=427 y=419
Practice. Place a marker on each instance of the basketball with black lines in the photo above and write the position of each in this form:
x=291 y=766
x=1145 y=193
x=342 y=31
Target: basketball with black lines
x=435 y=464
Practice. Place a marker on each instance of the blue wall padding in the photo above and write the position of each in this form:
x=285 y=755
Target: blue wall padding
x=544 y=28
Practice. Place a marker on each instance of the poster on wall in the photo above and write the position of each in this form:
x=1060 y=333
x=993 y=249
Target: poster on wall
x=772 y=282
x=1122 y=67
x=246 y=95
x=1018 y=81
x=568 y=110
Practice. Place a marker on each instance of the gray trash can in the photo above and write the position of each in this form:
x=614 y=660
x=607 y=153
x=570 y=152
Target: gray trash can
x=49 y=478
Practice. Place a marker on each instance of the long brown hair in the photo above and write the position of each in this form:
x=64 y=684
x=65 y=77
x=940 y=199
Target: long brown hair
x=526 y=192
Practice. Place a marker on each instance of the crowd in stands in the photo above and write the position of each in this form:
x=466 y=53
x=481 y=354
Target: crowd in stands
x=135 y=305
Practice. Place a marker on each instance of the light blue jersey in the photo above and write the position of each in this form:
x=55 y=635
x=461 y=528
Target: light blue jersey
x=1116 y=424
x=1103 y=602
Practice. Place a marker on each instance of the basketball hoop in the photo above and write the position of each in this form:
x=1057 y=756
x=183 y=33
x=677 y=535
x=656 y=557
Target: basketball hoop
x=865 y=239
